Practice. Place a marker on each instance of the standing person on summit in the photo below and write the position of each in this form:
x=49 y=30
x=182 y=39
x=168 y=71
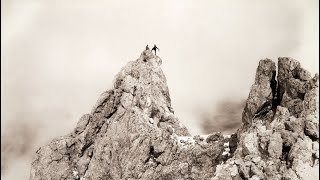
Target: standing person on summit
x=155 y=49
x=147 y=47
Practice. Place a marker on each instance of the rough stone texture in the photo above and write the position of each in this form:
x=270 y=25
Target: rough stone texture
x=132 y=132
x=260 y=96
x=279 y=136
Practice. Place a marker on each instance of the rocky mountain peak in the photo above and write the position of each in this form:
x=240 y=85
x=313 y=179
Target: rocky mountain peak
x=141 y=87
x=132 y=132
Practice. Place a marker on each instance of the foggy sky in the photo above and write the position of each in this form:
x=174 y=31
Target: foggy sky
x=59 y=56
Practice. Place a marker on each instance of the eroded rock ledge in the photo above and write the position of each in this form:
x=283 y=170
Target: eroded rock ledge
x=132 y=132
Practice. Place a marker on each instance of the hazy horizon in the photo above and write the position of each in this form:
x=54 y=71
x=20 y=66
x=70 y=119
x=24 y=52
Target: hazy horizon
x=59 y=56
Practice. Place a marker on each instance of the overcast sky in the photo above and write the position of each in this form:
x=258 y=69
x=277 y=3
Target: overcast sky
x=58 y=56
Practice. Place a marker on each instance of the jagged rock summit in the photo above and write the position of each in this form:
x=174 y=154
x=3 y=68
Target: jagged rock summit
x=132 y=132
x=279 y=136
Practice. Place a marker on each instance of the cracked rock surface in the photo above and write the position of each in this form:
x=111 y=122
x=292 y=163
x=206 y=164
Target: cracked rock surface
x=132 y=132
x=279 y=136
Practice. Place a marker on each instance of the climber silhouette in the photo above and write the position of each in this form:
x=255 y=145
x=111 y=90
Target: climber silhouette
x=155 y=49
x=147 y=47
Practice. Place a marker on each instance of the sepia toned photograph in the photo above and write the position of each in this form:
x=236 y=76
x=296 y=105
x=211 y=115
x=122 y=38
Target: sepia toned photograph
x=159 y=90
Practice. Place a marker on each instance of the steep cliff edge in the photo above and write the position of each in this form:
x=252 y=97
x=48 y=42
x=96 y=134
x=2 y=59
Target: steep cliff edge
x=132 y=132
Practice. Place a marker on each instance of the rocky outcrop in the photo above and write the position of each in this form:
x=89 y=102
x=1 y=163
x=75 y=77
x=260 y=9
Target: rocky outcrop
x=279 y=136
x=132 y=132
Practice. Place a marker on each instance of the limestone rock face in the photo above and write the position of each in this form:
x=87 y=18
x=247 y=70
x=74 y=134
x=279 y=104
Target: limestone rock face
x=279 y=136
x=132 y=132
